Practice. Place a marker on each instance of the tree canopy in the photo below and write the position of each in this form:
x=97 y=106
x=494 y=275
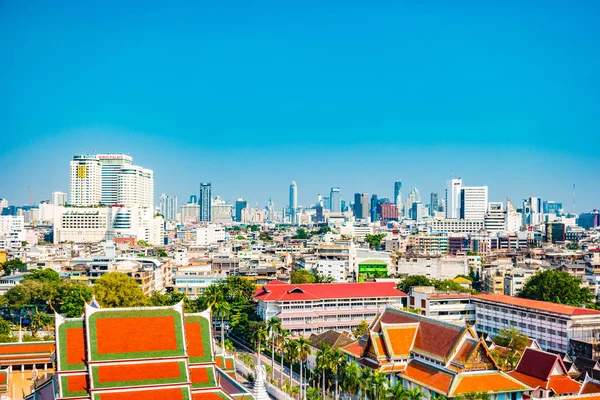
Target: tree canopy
x=514 y=343
x=421 y=280
x=301 y=276
x=361 y=329
x=374 y=241
x=557 y=287
x=43 y=275
x=115 y=289
x=11 y=266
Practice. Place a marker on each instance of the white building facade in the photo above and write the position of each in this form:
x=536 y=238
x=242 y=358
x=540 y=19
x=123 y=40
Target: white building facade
x=86 y=180
x=473 y=202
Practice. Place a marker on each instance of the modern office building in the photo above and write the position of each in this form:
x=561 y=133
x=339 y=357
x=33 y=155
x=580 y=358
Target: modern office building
x=454 y=225
x=361 y=205
x=190 y=213
x=205 y=201
x=293 y=204
x=434 y=203
x=398 y=196
x=495 y=218
x=413 y=197
x=453 y=189
x=335 y=197
x=135 y=186
x=58 y=199
x=305 y=309
x=473 y=202
x=86 y=180
x=111 y=169
x=240 y=205
x=168 y=207
x=552 y=207
x=389 y=212
x=12 y=227
x=589 y=220
x=533 y=213
x=374 y=208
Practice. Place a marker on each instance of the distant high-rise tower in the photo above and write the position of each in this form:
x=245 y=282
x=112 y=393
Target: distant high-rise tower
x=434 y=203
x=205 y=201
x=168 y=207
x=111 y=171
x=270 y=211
x=86 y=180
x=473 y=202
x=193 y=199
x=58 y=199
x=374 y=208
x=293 y=202
x=398 y=195
x=453 y=198
x=240 y=205
x=335 y=197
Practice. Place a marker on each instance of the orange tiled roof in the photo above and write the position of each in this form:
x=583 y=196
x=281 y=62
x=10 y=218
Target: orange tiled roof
x=356 y=348
x=428 y=377
x=561 y=384
x=537 y=305
x=378 y=344
x=400 y=339
x=465 y=351
x=590 y=387
x=487 y=382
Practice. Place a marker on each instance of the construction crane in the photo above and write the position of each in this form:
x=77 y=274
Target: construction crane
x=31 y=207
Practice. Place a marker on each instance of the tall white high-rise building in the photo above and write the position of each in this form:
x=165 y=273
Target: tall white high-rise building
x=473 y=202
x=413 y=197
x=111 y=170
x=514 y=221
x=136 y=186
x=221 y=211
x=59 y=198
x=335 y=198
x=293 y=202
x=495 y=218
x=3 y=204
x=453 y=189
x=398 y=196
x=86 y=180
x=168 y=207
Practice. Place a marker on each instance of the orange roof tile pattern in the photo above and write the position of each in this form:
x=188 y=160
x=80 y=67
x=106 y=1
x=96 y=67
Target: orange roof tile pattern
x=355 y=349
x=590 y=387
x=537 y=305
x=465 y=351
x=427 y=376
x=144 y=394
x=400 y=339
x=315 y=291
x=487 y=382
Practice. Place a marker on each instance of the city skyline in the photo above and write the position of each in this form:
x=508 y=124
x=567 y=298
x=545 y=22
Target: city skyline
x=422 y=96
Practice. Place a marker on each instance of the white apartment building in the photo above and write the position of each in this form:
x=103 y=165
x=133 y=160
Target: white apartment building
x=95 y=224
x=437 y=267
x=111 y=170
x=208 y=235
x=455 y=307
x=337 y=260
x=318 y=307
x=190 y=213
x=514 y=220
x=333 y=268
x=59 y=198
x=516 y=278
x=551 y=325
x=473 y=202
x=454 y=225
x=136 y=186
x=495 y=218
x=86 y=180
x=453 y=189
x=13 y=226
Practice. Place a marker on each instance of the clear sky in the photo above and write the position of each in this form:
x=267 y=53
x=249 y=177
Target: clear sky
x=249 y=95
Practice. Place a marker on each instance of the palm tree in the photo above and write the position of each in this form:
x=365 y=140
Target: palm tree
x=303 y=346
x=365 y=381
x=222 y=309
x=397 y=392
x=292 y=354
x=337 y=359
x=284 y=338
x=323 y=363
x=259 y=332
x=378 y=383
x=414 y=394
x=351 y=377
x=274 y=326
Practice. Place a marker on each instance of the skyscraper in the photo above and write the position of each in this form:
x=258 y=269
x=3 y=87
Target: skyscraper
x=374 y=208
x=293 y=202
x=473 y=202
x=335 y=197
x=453 y=198
x=240 y=205
x=434 y=203
x=205 y=201
x=135 y=186
x=111 y=170
x=168 y=207
x=357 y=206
x=413 y=197
x=398 y=196
x=86 y=180
x=270 y=211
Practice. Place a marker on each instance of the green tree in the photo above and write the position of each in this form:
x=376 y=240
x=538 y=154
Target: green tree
x=161 y=253
x=142 y=243
x=474 y=396
x=557 y=287
x=378 y=383
x=350 y=378
x=324 y=229
x=284 y=339
x=114 y=290
x=303 y=351
x=301 y=276
x=361 y=329
x=322 y=364
x=43 y=275
x=71 y=298
x=13 y=265
x=374 y=241
x=222 y=309
x=274 y=327
x=265 y=237
x=365 y=382
x=514 y=343
x=301 y=234
x=40 y=321
x=413 y=280
x=336 y=360
x=448 y=284
x=318 y=278
x=5 y=327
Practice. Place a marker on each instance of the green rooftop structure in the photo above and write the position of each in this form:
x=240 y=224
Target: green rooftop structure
x=370 y=269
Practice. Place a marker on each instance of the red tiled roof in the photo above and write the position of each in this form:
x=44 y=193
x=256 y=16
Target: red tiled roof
x=465 y=350
x=529 y=380
x=537 y=364
x=433 y=337
x=315 y=291
x=590 y=387
x=561 y=384
x=487 y=382
x=537 y=305
x=356 y=348
x=427 y=376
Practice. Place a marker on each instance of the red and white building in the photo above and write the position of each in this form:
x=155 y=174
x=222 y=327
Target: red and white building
x=304 y=309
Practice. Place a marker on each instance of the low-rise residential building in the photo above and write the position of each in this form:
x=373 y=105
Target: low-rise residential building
x=438 y=267
x=446 y=306
x=427 y=244
x=553 y=326
x=305 y=309
x=516 y=278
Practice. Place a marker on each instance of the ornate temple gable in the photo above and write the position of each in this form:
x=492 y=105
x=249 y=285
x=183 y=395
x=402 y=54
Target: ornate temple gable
x=480 y=359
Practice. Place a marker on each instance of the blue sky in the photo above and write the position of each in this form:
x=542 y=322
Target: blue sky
x=249 y=95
